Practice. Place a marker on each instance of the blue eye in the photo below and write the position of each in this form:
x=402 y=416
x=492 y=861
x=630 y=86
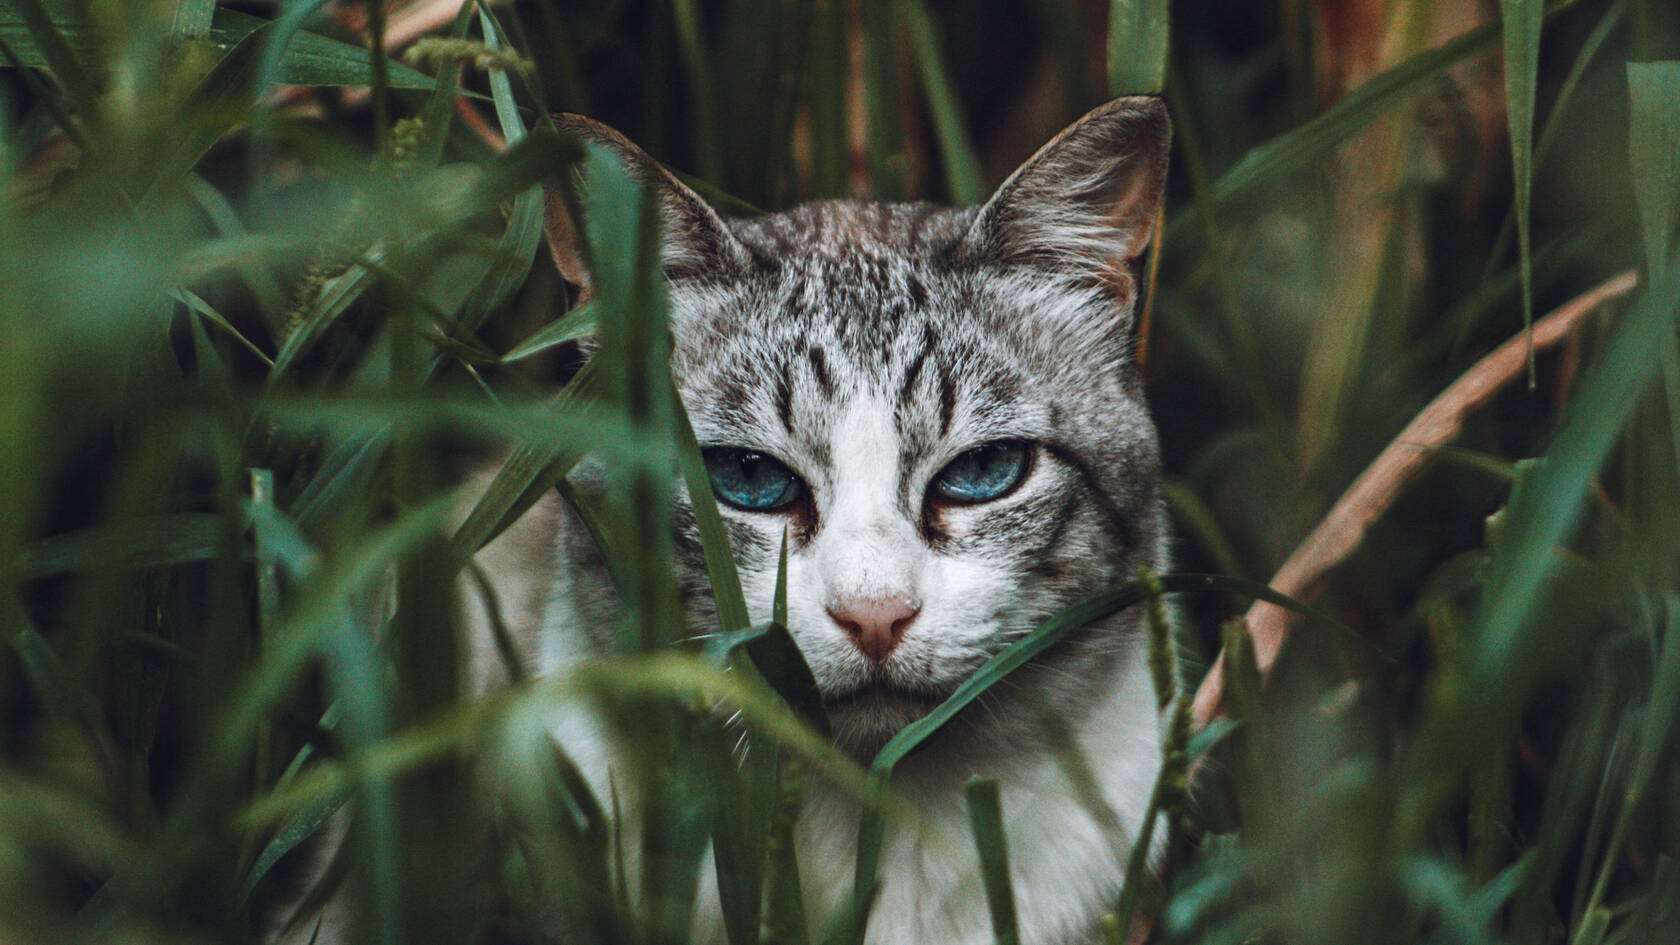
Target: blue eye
x=983 y=473
x=750 y=480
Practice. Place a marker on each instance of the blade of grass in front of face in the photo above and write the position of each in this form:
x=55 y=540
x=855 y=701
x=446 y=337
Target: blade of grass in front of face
x=985 y=815
x=850 y=925
x=1519 y=22
x=956 y=147
x=622 y=223
x=1137 y=47
x=778 y=658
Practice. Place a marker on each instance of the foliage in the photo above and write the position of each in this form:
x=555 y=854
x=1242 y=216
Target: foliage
x=265 y=293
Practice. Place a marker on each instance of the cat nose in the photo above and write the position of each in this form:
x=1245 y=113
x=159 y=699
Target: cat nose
x=875 y=625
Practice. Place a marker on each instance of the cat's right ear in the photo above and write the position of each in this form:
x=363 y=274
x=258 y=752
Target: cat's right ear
x=1085 y=205
x=697 y=242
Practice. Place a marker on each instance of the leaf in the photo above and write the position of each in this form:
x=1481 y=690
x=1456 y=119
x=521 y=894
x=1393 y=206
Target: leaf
x=152 y=542
x=1520 y=22
x=1653 y=143
x=575 y=324
x=956 y=145
x=192 y=18
x=1137 y=47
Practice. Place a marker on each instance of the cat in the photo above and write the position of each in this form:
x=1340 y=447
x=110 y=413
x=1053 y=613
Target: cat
x=941 y=409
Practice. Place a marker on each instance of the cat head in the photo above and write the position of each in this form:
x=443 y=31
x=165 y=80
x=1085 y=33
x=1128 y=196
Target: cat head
x=938 y=406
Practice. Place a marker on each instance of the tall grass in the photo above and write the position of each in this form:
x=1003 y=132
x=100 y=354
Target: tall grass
x=263 y=295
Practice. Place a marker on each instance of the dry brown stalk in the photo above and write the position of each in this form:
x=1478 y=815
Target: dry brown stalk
x=1400 y=463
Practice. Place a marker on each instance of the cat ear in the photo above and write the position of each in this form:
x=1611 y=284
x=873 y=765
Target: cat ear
x=1086 y=203
x=696 y=240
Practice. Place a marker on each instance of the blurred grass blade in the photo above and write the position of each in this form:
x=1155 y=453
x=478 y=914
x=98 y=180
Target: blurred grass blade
x=1137 y=47
x=152 y=542
x=702 y=90
x=985 y=815
x=1520 y=22
x=1655 y=731
x=714 y=537
x=202 y=308
x=881 y=89
x=192 y=18
x=293 y=56
x=1653 y=143
x=956 y=147
x=438 y=114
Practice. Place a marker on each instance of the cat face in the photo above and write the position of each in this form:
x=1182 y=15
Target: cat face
x=939 y=409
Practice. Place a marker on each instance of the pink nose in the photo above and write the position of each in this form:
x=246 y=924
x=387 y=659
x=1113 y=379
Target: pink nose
x=875 y=626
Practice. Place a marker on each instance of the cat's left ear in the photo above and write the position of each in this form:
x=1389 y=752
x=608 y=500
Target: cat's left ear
x=696 y=240
x=1086 y=203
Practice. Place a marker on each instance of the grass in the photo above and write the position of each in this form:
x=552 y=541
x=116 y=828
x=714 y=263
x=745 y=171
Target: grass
x=260 y=292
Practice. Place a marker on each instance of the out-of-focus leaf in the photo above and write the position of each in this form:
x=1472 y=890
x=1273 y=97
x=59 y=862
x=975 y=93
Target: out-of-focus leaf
x=192 y=18
x=1520 y=22
x=956 y=146
x=1137 y=47
x=1653 y=143
x=310 y=59
x=150 y=543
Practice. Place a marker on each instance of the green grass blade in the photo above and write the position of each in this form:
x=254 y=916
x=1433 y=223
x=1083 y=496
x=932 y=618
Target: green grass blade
x=985 y=814
x=881 y=94
x=702 y=90
x=1137 y=47
x=152 y=542
x=956 y=146
x=437 y=116
x=192 y=18
x=575 y=324
x=1560 y=104
x=1520 y=22
x=1653 y=142
x=294 y=56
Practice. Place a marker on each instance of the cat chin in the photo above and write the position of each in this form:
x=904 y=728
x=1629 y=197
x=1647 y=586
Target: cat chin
x=864 y=720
